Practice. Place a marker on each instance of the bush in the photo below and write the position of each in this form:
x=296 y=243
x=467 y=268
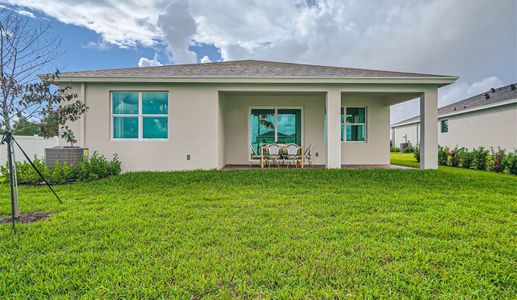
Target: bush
x=466 y=158
x=497 y=160
x=95 y=168
x=480 y=158
x=511 y=162
x=443 y=155
x=455 y=157
x=394 y=149
x=408 y=149
x=417 y=153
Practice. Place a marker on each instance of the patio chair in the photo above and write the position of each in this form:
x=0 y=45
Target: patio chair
x=307 y=155
x=254 y=156
x=292 y=154
x=273 y=154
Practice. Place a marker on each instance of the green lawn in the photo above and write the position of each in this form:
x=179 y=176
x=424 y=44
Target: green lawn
x=404 y=159
x=267 y=234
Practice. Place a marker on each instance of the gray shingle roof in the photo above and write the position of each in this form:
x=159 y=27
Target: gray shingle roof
x=489 y=97
x=245 y=69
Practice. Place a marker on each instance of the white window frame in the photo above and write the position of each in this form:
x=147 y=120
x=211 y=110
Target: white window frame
x=344 y=108
x=275 y=108
x=441 y=125
x=140 y=116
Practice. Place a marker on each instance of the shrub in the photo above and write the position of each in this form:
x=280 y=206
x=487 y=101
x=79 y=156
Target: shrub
x=443 y=155
x=466 y=158
x=497 y=160
x=455 y=157
x=417 y=153
x=511 y=162
x=94 y=168
x=115 y=166
x=394 y=149
x=408 y=149
x=480 y=158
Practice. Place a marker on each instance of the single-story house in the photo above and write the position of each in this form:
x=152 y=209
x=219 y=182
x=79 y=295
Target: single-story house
x=488 y=120
x=205 y=116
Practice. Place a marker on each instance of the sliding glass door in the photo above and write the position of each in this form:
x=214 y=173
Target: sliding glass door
x=289 y=126
x=275 y=125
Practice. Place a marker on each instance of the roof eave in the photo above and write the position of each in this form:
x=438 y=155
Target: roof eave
x=440 y=81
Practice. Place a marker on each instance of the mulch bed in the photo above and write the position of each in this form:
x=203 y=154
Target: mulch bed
x=29 y=217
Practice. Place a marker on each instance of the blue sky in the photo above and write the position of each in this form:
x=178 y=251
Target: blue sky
x=475 y=39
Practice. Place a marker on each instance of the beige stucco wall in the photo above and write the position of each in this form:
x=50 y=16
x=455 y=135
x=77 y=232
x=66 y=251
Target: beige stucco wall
x=412 y=132
x=376 y=148
x=491 y=127
x=494 y=127
x=193 y=129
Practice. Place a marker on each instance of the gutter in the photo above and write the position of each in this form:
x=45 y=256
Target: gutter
x=440 y=81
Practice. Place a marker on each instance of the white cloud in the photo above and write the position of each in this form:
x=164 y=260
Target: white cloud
x=464 y=90
x=474 y=39
x=25 y=13
x=178 y=27
x=146 y=62
x=205 y=59
x=122 y=23
x=100 y=45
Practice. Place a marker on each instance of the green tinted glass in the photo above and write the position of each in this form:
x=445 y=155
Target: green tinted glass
x=355 y=133
x=124 y=102
x=262 y=128
x=289 y=126
x=155 y=103
x=355 y=115
x=155 y=127
x=125 y=127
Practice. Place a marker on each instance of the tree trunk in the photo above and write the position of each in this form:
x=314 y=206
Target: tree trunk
x=12 y=180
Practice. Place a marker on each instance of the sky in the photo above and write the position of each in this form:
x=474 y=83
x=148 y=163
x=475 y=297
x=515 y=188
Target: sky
x=473 y=39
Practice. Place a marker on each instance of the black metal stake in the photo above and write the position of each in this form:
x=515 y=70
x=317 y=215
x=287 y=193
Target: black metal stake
x=9 y=139
x=37 y=171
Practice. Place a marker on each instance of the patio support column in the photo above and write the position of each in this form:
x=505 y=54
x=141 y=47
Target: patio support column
x=429 y=129
x=333 y=109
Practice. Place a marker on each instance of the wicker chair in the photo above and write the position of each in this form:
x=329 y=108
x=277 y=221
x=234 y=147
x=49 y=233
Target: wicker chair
x=292 y=154
x=254 y=156
x=307 y=155
x=273 y=154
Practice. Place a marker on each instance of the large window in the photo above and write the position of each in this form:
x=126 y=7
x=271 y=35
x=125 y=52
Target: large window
x=353 y=124
x=444 y=126
x=140 y=115
x=275 y=125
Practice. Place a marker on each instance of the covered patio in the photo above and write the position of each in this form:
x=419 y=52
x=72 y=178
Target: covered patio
x=343 y=126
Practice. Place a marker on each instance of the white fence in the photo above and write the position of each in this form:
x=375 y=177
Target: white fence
x=32 y=145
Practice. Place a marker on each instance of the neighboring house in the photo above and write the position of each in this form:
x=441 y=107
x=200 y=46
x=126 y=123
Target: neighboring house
x=488 y=119
x=205 y=116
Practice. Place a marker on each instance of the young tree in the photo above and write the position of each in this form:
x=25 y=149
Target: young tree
x=25 y=50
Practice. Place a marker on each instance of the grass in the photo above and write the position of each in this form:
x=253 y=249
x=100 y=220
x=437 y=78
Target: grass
x=404 y=159
x=267 y=234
